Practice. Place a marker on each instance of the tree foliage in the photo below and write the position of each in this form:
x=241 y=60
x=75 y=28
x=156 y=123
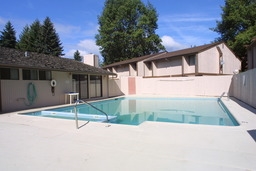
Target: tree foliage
x=238 y=25
x=50 y=39
x=41 y=38
x=127 y=30
x=8 y=37
x=77 y=56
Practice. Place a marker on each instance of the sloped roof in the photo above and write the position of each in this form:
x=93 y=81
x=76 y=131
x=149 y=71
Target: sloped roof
x=133 y=60
x=16 y=58
x=187 y=51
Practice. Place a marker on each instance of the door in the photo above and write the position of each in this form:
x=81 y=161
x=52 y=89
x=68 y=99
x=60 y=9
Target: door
x=80 y=85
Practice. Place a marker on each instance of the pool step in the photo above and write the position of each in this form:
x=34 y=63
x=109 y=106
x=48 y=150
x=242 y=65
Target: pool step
x=94 y=117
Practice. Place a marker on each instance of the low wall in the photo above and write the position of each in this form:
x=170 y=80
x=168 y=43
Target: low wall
x=176 y=86
x=243 y=87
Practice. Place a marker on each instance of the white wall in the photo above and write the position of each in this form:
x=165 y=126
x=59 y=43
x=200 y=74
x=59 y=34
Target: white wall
x=122 y=70
x=14 y=92
x=177 y=86
x=243 y=87
x=231 y=62
x=184 y=86
x=172 y=66
x=208 y=61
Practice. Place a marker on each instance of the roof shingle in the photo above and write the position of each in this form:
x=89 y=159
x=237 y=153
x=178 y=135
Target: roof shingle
x=16 y=58
x=187 y=51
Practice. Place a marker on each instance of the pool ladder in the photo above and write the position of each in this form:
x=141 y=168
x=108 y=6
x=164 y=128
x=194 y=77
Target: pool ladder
x=224 y=94
x=84 y=102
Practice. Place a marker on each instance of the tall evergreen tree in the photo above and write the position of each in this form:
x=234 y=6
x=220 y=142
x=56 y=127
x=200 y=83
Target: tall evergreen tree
x=23 y=42
x=50 y=39
x=77 y=56
x=41 y=38
x=238 y=25
x=8 y=37
x=127 y=30
x=35 y=37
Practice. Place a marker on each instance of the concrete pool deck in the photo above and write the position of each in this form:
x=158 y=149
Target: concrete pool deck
x=38 y=143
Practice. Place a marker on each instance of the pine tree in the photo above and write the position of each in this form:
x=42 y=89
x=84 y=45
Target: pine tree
x=77 y=56
x=8 y=37
x=23 y=43
x=127 y=30
x=35 y=37
x=50 y=39
x=41 y=38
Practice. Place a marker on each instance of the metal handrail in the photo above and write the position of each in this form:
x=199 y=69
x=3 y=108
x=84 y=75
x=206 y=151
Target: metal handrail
x=223 y=95
x=81 y=101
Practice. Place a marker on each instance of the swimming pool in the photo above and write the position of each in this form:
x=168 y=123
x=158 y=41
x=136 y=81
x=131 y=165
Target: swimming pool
x=134 y=111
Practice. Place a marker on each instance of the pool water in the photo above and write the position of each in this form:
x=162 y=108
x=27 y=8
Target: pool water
x=134 y=111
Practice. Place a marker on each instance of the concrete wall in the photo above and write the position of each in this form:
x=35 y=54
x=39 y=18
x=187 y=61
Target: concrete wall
x=208 y=61
x=172 y=66
x=14 y=92
x=176 y=86
x=122 y=70
x=243 y=87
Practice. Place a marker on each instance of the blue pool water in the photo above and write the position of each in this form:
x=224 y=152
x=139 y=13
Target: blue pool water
x=134 y=111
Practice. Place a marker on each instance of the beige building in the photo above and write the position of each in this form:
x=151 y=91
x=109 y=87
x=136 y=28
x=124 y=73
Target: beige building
x=30 y=80
x=210 y=59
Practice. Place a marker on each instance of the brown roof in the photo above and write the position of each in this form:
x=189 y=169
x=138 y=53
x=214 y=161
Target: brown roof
x=16 y=58
x=187 y=51
x=133 y=60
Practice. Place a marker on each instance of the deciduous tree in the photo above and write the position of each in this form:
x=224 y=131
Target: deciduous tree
x=237 y=26
x=127 y=30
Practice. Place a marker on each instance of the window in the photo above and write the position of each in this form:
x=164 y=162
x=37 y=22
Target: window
x=44 y=75
x=9 y=74
x=192 y=60
x=30 y=74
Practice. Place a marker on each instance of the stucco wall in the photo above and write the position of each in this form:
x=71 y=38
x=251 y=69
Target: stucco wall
x=208 y=61
x=177 y=86
x=122 y=70
x=231 y=62
x=14 y=92
x=168 y=67
x=243 y=87
x=184 y=86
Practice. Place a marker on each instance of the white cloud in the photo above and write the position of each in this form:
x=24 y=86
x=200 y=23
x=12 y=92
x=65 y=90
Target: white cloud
x=188 y=18
x=85 y=47
x=66 y=29
x=89 y=45
x=170 y=44
x=2 y=21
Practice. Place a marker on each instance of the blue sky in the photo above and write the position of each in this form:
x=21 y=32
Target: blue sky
x=181 y=24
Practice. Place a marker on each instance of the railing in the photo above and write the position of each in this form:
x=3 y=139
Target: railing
x=223 y=95
x=84 y=102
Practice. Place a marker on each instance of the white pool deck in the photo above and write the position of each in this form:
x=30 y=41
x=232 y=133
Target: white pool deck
x=37 y=143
